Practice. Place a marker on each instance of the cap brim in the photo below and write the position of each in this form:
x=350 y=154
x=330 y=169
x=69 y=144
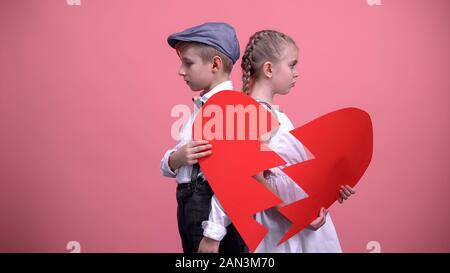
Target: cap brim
x=174 y=41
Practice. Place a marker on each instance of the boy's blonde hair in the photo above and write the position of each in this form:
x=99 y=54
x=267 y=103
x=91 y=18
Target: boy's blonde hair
x=207 y=53
x=264 y=45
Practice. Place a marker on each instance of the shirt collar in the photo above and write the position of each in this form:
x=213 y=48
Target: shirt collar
x=226 y=85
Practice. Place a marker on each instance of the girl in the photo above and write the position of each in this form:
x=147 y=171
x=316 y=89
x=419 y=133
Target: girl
x=269 y=68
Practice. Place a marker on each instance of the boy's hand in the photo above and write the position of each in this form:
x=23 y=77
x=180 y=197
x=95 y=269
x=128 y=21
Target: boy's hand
x=189 y=154
x=345 y=191
x=320 y=221
x=208 y=245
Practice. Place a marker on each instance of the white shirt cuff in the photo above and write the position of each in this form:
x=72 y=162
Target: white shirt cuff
x=213 y=230
x=164 y=166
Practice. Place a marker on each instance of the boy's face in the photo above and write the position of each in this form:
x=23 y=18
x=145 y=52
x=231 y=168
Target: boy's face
x=197 y=74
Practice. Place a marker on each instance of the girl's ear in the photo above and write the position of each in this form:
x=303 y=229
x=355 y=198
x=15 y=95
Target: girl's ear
x=267 y=69
x=217 y=64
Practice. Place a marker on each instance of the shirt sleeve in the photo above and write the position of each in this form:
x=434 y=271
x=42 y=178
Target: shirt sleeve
x=215 y=227
x=288 y=147
x=164 y=166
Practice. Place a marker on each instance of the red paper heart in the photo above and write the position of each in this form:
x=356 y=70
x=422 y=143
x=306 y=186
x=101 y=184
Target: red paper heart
x=341 y=142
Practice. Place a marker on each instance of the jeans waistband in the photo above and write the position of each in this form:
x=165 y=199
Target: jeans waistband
x=200 y=180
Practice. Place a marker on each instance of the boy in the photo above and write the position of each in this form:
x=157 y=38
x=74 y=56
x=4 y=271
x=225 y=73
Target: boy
x=207 y=53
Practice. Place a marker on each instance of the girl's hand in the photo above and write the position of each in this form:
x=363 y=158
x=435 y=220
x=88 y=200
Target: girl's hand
x=345 y=191
x=208 y=245
x=189 y=154
x=320 y=221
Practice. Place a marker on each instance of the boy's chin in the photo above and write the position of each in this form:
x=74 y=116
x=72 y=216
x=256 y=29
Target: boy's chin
x=196 y=89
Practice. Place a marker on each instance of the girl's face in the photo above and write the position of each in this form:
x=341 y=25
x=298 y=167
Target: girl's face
x=285 y=70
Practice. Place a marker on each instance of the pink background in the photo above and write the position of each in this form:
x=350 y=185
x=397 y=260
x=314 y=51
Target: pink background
x=86 y=93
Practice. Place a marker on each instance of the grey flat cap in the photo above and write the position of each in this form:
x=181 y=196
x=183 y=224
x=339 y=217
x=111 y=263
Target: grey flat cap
x=221 y=36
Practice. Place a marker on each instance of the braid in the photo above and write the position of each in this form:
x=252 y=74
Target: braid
x=248 y=61
x=247 y=67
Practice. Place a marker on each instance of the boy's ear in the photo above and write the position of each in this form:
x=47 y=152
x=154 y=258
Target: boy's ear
x=267 y=69
x=217 y=64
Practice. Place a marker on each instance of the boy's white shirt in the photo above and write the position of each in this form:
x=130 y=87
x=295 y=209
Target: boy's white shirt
x=183 y=174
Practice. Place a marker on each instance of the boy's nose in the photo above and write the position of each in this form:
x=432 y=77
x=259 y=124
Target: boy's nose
x=181 y=72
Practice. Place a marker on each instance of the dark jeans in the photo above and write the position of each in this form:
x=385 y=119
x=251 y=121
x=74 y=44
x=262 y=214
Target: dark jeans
x=194 y=205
